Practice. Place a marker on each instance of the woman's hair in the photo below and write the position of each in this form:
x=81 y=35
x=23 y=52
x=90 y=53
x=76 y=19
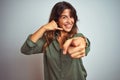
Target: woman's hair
x=56 y=12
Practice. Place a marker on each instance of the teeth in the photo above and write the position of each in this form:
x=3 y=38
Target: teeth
x=68 y=26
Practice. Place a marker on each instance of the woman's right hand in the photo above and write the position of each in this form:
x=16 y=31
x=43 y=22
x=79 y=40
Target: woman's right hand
x=48 y=27
x=52 y=26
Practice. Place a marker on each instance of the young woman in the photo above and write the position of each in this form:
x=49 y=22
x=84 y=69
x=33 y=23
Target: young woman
x=62 y=46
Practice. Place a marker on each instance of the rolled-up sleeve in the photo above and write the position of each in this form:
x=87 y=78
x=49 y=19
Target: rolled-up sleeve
x=87 y=49
x=29 y=47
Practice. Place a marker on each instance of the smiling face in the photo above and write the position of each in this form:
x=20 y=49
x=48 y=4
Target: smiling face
x=66 y=21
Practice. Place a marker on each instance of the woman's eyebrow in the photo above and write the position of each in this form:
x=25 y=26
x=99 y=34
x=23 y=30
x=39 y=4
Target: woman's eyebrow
x=63 y=15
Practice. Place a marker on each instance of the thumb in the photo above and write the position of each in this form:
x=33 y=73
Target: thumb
x=66 y=45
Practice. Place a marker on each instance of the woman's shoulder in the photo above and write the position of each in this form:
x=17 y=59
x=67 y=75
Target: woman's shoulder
x=78 y=35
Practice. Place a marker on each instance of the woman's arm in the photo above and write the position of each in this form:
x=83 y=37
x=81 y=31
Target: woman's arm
x=39 y=33
x=35 y=42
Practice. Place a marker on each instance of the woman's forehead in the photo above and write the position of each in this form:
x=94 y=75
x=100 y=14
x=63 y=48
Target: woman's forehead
x=66 y=12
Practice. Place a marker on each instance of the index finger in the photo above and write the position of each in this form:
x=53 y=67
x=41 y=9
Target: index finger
x=59 y=28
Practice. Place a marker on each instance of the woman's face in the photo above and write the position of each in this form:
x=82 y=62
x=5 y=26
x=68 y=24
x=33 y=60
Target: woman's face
x=66 y=21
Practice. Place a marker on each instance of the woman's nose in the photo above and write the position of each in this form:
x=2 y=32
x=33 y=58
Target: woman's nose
x=69 y=20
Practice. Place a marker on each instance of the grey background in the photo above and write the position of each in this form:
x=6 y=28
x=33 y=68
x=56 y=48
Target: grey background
x=99 y=20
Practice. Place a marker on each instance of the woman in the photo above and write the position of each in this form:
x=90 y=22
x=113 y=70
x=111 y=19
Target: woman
x=62 y=46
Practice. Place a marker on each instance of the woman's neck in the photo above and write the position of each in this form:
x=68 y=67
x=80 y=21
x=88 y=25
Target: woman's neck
x=63 y=34
x=62 y=37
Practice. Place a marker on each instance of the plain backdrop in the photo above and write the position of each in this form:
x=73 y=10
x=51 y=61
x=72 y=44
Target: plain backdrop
x=99 y=20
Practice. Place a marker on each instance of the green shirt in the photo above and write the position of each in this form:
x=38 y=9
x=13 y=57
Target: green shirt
x=57 y=66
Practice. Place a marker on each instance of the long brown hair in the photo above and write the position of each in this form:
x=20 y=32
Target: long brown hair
x=56 y=12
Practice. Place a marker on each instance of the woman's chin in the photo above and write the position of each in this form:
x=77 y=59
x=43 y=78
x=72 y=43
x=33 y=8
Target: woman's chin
x=67 y=30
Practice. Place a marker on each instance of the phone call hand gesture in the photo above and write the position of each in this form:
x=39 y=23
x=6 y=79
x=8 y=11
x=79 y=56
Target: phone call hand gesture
x=52 y=26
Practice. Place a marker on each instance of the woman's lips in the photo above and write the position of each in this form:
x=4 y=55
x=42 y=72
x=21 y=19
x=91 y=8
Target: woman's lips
x=68 y=26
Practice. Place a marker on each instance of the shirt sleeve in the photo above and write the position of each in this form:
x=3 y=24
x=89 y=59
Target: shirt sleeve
x=29 y=47
x=87 y=49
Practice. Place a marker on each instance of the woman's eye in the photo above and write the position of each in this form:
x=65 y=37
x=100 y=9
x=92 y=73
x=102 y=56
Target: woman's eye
x=64 y=17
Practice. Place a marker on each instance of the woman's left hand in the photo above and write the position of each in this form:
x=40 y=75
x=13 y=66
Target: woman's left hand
x=75 y=47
